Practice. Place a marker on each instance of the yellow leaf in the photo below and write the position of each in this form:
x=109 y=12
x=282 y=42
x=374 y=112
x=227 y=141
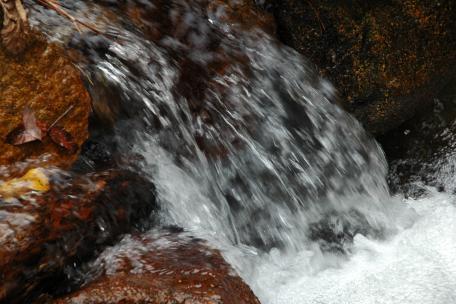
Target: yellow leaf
x=33 y=180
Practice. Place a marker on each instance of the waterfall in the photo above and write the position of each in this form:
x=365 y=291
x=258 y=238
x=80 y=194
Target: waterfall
x=262 y=162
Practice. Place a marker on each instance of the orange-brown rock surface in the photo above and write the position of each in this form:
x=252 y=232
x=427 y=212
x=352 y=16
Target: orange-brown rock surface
x=44 y=79
x=41 y=234
x=159 y=269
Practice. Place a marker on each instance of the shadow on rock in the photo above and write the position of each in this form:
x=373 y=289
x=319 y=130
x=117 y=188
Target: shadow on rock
x=41 y=235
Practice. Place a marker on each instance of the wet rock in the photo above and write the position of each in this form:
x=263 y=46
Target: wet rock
x=336 y=231
x=162 y=268
x=41 y=234
x=387 y=58
x=44 y=79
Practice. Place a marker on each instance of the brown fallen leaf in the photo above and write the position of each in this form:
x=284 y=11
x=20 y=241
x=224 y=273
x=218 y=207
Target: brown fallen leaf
x=34 y=130
x=30 y=130
x=63 y=139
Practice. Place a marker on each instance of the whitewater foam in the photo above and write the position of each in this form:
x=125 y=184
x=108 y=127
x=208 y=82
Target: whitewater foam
x=417 y=265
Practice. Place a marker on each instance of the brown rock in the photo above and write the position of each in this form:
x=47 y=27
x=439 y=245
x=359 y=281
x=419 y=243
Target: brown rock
x=46 y=81
x=168 y=268
x=40 y=235
x=387 y=58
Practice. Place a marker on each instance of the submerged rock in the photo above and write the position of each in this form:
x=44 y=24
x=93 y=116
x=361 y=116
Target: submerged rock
x=41 y=234
x=162 y=268
x=387 y=58
x=45 y=80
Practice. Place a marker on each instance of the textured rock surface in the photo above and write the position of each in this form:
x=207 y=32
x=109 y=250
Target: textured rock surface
x=40 y=235
x=46 y=81
x=158 y=269
x=387 y=58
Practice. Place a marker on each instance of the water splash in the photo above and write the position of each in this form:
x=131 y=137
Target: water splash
x=268 y=151
x=414 y=266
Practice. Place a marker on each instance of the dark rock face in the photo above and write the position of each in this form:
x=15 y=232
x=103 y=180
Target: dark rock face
x=169 y=268
x=387 y=58
x=420 y=151
x=40 y=235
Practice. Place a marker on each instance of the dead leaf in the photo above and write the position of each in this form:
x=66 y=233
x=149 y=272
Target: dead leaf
x=34 y=130
x=62 y=138
x=31 y=129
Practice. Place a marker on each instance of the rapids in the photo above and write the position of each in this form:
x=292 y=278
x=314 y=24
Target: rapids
x=295 y=194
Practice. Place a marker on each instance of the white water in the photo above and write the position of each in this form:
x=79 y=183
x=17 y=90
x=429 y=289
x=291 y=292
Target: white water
x=415 y=265
x=294 y=172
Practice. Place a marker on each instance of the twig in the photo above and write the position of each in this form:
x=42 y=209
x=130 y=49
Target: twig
x=61 y=116
x=52 y=4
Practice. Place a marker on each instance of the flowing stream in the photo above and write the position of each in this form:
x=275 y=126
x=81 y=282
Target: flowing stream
x=259 y=160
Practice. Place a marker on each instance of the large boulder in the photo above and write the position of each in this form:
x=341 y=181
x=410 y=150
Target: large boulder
x=156 y=268
x=41 y=234
x=386 y=58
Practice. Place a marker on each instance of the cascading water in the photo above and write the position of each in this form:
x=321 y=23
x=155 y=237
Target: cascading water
x=259 y=161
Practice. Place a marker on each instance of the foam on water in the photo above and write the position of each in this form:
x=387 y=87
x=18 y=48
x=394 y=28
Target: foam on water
x=415 y=266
